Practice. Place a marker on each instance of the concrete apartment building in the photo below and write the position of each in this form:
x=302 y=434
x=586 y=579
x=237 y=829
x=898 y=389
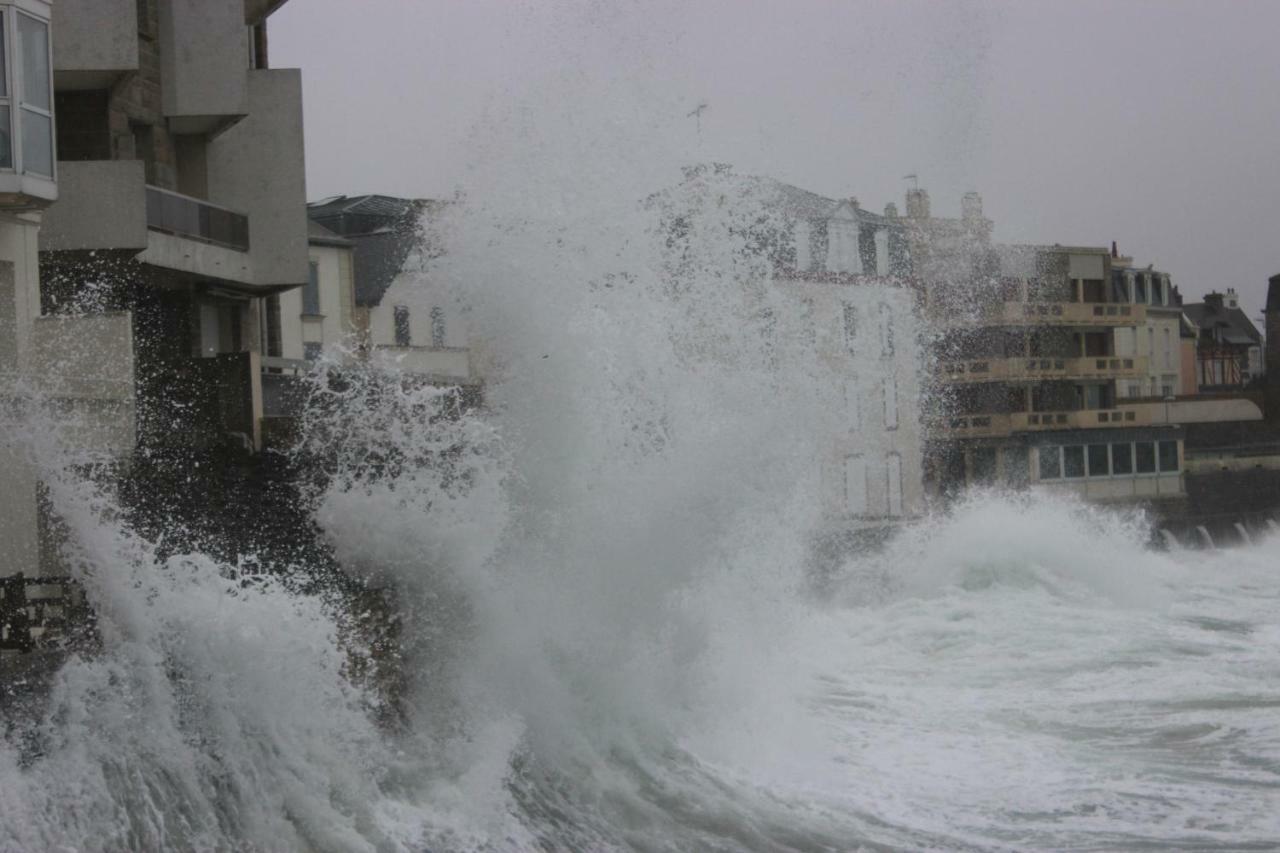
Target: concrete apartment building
x=28 y=185
x=181 y=159
x=151 y=192
x=1032 y=370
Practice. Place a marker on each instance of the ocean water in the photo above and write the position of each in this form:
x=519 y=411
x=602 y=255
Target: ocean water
x=611 y=638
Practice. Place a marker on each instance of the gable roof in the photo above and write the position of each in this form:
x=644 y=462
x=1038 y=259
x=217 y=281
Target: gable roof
x=318 y=235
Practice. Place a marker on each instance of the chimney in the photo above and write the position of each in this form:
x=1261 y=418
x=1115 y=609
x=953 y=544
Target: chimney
x=1233 y=299
x=853 y=202
x=1114 y=252
x=890 y=211
x=1271 y=326
x=918 y=204
x=971 y=206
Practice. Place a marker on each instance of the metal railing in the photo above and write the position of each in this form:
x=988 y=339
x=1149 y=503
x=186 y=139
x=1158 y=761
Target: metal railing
x=195 y=219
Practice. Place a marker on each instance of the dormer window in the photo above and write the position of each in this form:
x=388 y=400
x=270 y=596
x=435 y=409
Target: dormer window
x=27 y=160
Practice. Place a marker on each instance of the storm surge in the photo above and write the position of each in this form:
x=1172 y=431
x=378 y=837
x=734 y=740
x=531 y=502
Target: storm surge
x=607 y=630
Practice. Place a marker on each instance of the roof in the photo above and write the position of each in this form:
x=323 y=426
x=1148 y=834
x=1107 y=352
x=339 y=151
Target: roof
x=362 y=205
x=1232 y=324
x=384 y=231
x=318 y=235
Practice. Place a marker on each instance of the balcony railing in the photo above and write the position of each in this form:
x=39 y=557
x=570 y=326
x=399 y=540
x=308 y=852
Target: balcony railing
x=194 y=219
x=1023 y=368
x=988 y=425
x=1046 y=314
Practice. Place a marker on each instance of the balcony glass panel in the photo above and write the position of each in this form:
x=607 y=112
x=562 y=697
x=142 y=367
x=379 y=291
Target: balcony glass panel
x=1099 y=464
x=194 y=219
x=1073 y=461
x=1146 y=452
x=6 y=139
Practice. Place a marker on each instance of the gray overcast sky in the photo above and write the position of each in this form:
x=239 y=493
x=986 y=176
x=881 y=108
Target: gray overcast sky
x=1155 y=123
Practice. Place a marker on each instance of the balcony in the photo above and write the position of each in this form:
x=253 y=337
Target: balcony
x=95 y=42
x=184 y=216
x=995 y=425
x=203 y=57
x=1075 y=314
x=1026 y=369
x=102 y=206
x=1081 y=419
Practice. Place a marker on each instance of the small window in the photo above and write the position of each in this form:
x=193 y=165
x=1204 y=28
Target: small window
x=311 y=290
x=886 y=330
x=1146 y=453
x=894 y=466
x=1168 y=457
x=311 y=350
x=850 y=326
x=1099 y=462
x=890 y=403
x=403 y=336
x=1050 y=462
x=1122 y=458
x=1073 y=461
x=437 y=327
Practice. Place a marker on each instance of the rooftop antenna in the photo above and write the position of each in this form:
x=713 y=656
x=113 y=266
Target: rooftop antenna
x=914 y=179
x=696 y=114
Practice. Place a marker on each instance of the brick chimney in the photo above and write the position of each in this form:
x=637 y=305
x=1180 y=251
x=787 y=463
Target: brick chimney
x=1232 y=299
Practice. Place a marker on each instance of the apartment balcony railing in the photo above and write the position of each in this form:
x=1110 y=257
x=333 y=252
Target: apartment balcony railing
x=195 y=219
x=1026 y=369
x=1104 y=314
x=996 y=425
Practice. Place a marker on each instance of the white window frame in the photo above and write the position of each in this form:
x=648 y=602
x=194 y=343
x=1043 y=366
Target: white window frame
x=15 y=85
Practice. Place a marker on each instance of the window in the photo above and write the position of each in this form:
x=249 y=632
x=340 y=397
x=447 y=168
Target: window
x=1099 y=461
x=311 y=290
x=886 y=330
x=1168 y=350
x=437 y=327
x=1146 y=453
x=893 y=464
x=35 y=96
x=1050 y=462
x=274 y=345
x=855 y=484
x=890 y=403
x=311 y=350
x=403 y=336
x=850 y=326
x=1073 y=461
x=6 y=129
x=1140 y=289
x=1122 y=458
x=1168 y=457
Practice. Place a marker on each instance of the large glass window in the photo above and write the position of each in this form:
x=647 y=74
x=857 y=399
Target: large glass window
x=1122 y=458
x=1099 y=463
x=1168 y=457
x=6 y=127
x=1050 y=462
x=35 y=96
x=1146 y=454
x=1073 y=461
